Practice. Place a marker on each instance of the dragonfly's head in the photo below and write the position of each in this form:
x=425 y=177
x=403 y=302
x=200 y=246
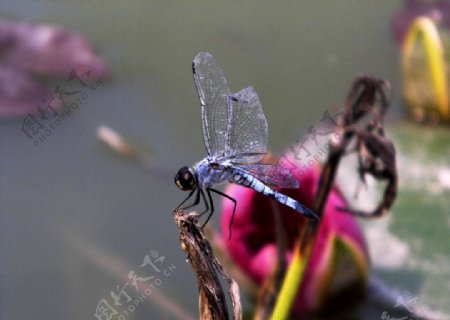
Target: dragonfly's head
x=185 y=179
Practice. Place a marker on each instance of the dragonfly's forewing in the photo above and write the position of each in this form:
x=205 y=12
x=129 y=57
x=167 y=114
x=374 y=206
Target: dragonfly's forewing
x=247 y=127
x=213 y=92
x=272 y=175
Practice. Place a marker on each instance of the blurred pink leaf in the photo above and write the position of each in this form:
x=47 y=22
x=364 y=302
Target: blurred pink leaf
x=21 y=94
x=28 y=49
x=47 y=50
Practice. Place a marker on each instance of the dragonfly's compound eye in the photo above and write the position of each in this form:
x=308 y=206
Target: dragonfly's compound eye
x=185 y=180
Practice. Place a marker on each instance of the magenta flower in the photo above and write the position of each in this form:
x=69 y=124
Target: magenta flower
x=339 y=261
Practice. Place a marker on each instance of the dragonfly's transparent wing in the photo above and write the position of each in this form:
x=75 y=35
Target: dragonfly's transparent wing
x=272 y=175
x=247 y=127
x=213 y=92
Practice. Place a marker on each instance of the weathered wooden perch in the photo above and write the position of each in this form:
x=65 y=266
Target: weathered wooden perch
x=212 y=303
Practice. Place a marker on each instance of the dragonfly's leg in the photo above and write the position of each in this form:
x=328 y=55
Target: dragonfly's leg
x=208 y=192
x=197 y=200
x=234 y=207
x=205 y=201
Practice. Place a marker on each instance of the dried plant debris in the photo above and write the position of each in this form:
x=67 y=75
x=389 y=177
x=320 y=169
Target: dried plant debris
x=362 y=121
x=116 y=142
x=212 y=302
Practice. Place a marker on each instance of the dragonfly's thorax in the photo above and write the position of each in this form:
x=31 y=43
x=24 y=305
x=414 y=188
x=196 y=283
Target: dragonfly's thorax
x=207 y=175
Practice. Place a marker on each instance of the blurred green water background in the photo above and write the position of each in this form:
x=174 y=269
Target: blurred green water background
x=75 y=219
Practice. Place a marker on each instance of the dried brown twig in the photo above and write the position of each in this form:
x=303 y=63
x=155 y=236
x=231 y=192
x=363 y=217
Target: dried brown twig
x=212 y=303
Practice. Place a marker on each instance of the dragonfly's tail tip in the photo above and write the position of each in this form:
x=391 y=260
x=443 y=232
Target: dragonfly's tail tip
x=310 y=214
x=305 y=211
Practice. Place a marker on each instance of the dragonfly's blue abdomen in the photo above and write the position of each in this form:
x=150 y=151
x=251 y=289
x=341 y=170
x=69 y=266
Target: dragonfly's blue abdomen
x=250 y=181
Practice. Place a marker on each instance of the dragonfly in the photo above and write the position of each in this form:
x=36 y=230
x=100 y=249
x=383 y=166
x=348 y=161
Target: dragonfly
x=235 y=135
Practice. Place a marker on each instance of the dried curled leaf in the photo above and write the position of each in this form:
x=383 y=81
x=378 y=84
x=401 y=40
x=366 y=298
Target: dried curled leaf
x=363 y=118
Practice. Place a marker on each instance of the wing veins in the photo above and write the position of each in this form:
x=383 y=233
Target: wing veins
x=270 y=174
